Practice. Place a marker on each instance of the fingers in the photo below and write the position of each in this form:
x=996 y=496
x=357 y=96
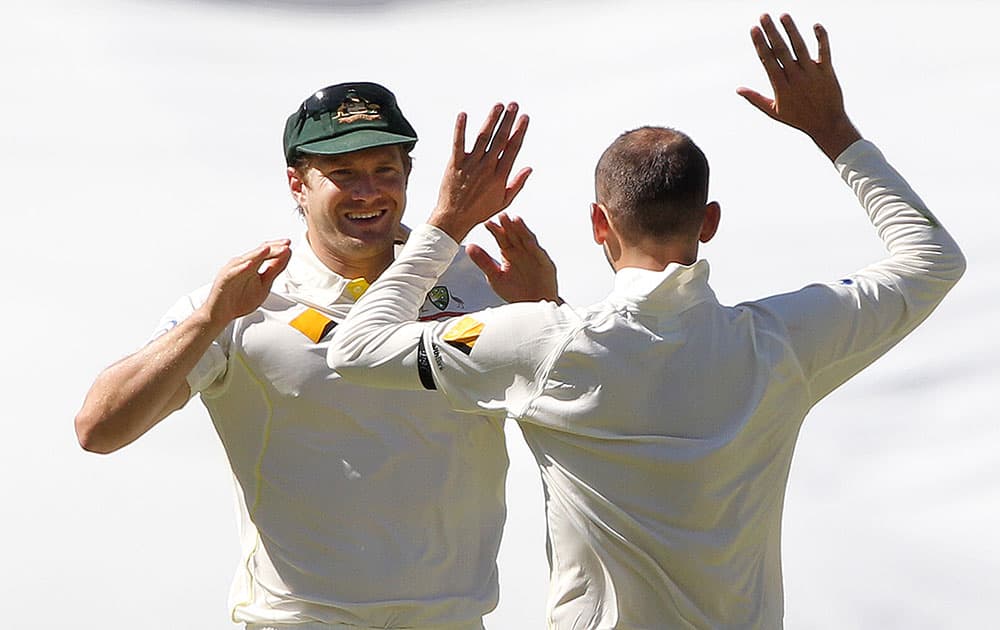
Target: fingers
x=527 y=240
x=265 y=251
x=777 y=43
x=458 y=139
x=516 y=240
x=519 y=234
x=499 y=233
x=500 y=139
x=477 y=183
x=486 y=131
x=272 y=267
x=779 y=51
x=244 y=282
x=823 y=39
x=798 y=44
x=276 y=246
x=513 y=144
x=513 y=229
x=503 y=141
x=515 y=186
x=775 y=73
x=511 y=234
x=490 y=267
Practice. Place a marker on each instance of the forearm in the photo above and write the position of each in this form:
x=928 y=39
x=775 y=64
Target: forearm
x=838 y=328
x=922 y=252
x=133 y=395
x=373 y=334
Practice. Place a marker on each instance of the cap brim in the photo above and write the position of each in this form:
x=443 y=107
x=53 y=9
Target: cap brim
x=354 y=141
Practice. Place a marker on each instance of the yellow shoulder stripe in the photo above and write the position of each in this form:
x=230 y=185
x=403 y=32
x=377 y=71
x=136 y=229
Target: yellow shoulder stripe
x=312 y=324
x=465 y=331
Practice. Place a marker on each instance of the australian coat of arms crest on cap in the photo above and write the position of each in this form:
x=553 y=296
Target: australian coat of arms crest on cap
x=355 y=108
x=439 y=297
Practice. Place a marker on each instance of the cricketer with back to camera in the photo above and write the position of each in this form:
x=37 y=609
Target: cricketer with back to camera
x=662 y=421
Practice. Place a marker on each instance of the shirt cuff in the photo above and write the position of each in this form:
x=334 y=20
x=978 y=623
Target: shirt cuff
x=432 y=243
x=856 y=150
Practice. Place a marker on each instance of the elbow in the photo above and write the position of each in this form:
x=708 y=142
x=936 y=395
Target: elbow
x=952 y=270
x=354 y=364
x=951 y=261
x=341 y=363
x=961 y=264
x=90 y=436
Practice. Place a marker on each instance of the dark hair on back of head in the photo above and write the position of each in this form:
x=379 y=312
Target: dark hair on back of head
x=654 y=182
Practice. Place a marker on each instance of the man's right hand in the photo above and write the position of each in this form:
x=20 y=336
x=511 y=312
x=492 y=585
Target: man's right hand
x=525 y=272
x=131 y=396
x=243 y=283
x=477 y=184
x=807 y=95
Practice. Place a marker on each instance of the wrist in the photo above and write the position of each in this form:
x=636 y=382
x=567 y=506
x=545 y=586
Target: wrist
x=206 y=319
x=836 y=138
x=449 y=226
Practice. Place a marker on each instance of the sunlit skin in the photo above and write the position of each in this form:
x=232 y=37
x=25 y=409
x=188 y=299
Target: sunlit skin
x=353 y=204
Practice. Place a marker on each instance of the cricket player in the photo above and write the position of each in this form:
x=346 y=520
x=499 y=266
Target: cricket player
x=358 y=508
x=663 y=422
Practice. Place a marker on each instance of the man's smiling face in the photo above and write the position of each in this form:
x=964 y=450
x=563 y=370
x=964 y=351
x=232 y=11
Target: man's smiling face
x=353 y=204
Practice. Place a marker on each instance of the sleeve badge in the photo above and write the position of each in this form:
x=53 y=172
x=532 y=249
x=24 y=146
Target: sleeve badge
x=464 y=334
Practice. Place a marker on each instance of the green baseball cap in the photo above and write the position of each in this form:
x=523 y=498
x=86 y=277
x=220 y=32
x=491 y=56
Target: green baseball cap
x=343 y=118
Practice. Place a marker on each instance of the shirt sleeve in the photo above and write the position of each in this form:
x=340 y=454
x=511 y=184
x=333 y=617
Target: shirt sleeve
x=483 y=362
x=210 y=370
x=836 y=329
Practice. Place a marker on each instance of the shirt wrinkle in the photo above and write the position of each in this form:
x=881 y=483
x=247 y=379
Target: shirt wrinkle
x=668 y=444
x=333 y=482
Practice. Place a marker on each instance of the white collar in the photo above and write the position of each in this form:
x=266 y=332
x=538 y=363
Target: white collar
x=675 y=289
x=306 y=276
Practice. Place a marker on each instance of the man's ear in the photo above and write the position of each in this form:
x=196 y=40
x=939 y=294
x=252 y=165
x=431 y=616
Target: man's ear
x=295 y=184
x=709 y=224
x=599 y=222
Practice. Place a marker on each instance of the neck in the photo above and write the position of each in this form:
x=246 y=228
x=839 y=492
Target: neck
x=655 y=256
x=354 y=266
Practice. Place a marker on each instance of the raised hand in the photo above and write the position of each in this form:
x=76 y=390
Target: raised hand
x=807 y=95
x=476 y=184
x=243 y=283
x=525 y=272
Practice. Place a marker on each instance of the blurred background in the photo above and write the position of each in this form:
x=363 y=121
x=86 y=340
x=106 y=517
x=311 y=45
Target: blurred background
x=140 y=150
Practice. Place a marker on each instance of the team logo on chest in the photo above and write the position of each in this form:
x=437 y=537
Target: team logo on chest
x=439 y=297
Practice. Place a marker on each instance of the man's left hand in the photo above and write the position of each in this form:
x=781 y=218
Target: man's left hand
x=525 y=272
x=807 y=94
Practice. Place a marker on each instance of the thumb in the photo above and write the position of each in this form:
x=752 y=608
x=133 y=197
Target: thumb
x=485 y=262
x=758 y=100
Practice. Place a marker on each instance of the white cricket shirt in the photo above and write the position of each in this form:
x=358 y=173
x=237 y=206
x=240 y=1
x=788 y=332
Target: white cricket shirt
x=662 y=422
x=367 y=507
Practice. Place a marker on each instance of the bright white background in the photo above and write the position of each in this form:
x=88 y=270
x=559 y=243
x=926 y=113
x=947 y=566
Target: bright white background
x=140 y=149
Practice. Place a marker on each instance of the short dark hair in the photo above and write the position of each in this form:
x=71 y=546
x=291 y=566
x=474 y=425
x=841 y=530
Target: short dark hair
x=654 y=182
